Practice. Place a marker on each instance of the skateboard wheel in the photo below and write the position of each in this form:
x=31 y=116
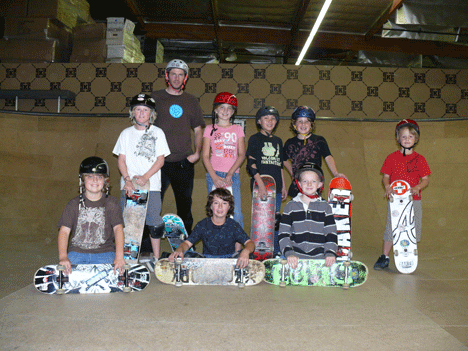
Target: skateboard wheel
x=415 y=252
x=60 y=291
x=241 y=285
x=351 y=197
x=345 y=286
x=395 y=253
x=282 y=284
x=347 y=263
x=178 y=284
x=126 y=267
x=350 y=254
x=60 y=267
x=284 y=261
x=178 y=260
x=126 y=289
x=390 y=199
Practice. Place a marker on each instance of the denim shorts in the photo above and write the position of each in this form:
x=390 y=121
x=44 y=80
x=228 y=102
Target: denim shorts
x=91 y=258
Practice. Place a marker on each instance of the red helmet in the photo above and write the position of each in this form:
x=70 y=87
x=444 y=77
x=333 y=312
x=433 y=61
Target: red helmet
x=225 y=98
x=407 y=123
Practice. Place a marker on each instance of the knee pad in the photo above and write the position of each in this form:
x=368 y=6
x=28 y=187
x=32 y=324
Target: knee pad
x=156 y=232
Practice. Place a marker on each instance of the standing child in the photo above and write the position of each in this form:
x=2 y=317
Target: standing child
x=141 y=150
x=95 y=220
x=265 y=156
x=306 y=146
x=404 y=164
x=226 y=142
x=307 y=228
x=218 y=232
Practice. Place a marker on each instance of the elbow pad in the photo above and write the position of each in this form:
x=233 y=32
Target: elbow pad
x=252 y=171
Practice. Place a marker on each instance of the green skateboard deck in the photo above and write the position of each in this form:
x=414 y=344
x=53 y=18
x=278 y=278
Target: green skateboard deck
x=314 y=273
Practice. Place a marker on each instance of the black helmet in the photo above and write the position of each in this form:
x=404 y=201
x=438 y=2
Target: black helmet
x=309 y=166
x=143 y=99
x=94 y=165
x=303 y=111
x=265 y=111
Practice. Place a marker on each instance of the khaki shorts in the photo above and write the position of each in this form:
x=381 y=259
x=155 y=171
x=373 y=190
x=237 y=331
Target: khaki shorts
x=417 y=207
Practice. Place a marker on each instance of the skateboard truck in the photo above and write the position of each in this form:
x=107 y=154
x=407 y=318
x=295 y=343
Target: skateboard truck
x=240 y=274
x=180 y=274
x=125 y=278
x=283 y=262
x=61 y=279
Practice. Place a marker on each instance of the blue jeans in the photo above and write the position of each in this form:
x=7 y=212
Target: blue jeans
x=236 y=193
x=276 y=248
x=91 y=258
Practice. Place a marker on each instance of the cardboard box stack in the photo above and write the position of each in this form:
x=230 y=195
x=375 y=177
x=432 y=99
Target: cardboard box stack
x=41 y=30
x=89 y=43
x=122 y=45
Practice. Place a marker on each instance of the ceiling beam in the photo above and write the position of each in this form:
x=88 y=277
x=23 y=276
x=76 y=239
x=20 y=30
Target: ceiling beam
x=323 y=40
x=214 y=14
x=300 y=13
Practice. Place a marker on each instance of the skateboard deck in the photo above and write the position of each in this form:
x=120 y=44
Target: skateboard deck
x=262 y=230
x=134 y=215
x=175 y=232
x=208 y=271
x=340 y=198
x=405 y=249
x=90 y=279
x=311 y=272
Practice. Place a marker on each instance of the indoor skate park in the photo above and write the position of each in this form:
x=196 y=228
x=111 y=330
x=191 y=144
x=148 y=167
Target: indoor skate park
x=41 y=150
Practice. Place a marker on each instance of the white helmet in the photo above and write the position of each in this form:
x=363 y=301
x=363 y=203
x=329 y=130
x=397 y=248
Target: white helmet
x=177 y=63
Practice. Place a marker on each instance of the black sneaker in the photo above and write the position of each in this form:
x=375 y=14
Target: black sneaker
x=381 y=263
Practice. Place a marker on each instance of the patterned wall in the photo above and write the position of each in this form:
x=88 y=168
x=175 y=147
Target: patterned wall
x=351 y=92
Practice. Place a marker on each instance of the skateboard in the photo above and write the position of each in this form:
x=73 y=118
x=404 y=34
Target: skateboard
x=134 y=215
x=174 y=230
x=405 y=250
x=262 y=231
x=340 y=198
x=90 y=279
x=311 y=272
x=208 y=271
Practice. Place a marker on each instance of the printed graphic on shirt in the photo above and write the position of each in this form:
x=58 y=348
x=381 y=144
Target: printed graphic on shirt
x=300 y=154
x=271 y=155
x=146 y=147
x=90 y=228
x=176 y=111
x=225 y=144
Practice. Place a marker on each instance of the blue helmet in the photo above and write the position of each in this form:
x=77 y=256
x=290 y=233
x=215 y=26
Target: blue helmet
x=303 y=111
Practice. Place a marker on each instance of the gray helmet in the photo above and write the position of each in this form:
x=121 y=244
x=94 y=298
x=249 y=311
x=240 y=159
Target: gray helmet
x=94 y=165
x=265 y=111
x=177 y=63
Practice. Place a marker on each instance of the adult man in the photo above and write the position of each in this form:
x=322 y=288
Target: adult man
x=179 y=112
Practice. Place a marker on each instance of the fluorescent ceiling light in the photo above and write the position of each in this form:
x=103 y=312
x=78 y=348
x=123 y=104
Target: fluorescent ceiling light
x=314 y=30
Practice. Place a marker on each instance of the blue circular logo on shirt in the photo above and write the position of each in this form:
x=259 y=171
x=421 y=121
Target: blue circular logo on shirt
x=176 y=111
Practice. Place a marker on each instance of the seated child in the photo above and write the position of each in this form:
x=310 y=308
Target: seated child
x=218 y=232
x=94 y=220
x=307 y=228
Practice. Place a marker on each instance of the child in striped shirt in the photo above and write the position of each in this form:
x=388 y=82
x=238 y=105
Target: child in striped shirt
x=307 y=228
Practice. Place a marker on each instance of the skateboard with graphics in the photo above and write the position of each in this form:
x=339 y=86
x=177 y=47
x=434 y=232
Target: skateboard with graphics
x=405 y=249
x=90 y=279
x=310 y=272
x=208 y=271
x=340 y=198
x=134 y=215
x=262 y=230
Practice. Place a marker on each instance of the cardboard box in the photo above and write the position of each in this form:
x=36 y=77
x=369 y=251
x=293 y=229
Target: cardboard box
x=119 y=31
x=94 y=31
x=69 y=12
x=23 y=50
x=89 y=50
